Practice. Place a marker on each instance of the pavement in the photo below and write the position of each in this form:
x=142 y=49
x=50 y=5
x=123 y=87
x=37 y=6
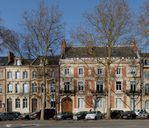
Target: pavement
x=76 y=124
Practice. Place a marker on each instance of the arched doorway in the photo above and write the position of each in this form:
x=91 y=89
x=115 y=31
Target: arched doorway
x=147 y=105
x=66 y=104
x=9 y=105
x=34 y=105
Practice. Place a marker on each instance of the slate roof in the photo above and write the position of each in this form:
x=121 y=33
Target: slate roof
x=3 y=61
x=84 y=52
x=145 y=55
x=52 y=60
x=24 y=62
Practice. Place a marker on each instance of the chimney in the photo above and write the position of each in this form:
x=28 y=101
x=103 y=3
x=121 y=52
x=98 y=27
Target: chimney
x=10 y=57
x=63 y=47
x=135 y=48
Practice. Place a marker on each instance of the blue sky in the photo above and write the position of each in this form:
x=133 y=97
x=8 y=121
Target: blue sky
x=11 y=10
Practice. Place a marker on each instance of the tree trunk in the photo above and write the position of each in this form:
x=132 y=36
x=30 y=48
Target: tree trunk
x=109 y=92
x=43 y=92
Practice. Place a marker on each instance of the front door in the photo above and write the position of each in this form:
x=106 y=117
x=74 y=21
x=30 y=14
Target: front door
x=9 y=105
x=66 y=105
x=34 y=105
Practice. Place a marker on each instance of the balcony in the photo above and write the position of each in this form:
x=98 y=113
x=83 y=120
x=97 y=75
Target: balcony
x=99 y=92
x=133 y=92
x=67 y=92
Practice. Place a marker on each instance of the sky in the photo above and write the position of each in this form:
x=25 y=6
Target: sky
x=11 y=11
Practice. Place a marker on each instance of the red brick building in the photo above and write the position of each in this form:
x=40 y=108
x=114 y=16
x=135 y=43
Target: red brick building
x=83 y=75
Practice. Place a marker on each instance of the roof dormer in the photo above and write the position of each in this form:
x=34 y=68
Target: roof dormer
x=17 y=61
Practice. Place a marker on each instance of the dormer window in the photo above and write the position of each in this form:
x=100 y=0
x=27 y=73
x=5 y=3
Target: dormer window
x=18 y=62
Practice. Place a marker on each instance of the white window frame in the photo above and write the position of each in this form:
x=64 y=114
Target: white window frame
x=25 y=103
x=81 y=103
x=99 y=71
x=118 y=86
x=1 y=88
x=133 y=85
x=67 y=71
x=10 y=88
x=67 y=87
x=18 y=74
x=81 y=86
x=25 y=75
x=34 y=87
x=100 y=84
x=17 y=103
x=25 y=88
x=119 y=103
x=33 y=74
x=9 y=75
x=17 y=88
x=80 y=71
x=118 y=71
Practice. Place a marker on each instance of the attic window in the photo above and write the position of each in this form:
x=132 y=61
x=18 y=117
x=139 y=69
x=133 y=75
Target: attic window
x=18 y=62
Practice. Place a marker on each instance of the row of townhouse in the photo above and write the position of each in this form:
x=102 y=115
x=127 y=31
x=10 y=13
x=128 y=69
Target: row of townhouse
x=76 y=80
x=21 y=83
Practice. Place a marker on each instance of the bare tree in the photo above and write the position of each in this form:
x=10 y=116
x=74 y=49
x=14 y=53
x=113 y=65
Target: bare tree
x=144 y=22
x=43 y=32
x=107 y=26
x=10 y=40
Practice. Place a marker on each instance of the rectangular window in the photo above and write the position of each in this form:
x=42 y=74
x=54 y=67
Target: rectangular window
x=81 y=71
x=146 y=74
x=119 y=103
x=132 y=86
x=80 y=102
x=98 y=103
x=52 y=85
x=1 y=75
x=118 y=71
x=34 y=74
x=0 y=104
x=9 y=75
x=99 y=71
x=66 y=86
x=17 y=103
x=52 y=104
x=147 y=89
x=25 y=103
x=25 y=88
x=18 y=88
x=10 y=88
x=1 y=89
x=133 y=103
x=99 y=86
x=146 y=62
x=67 y=71
x=34 y=87
x=118 y=86
x=80 y=86
x=17 y=75
x=25 y=75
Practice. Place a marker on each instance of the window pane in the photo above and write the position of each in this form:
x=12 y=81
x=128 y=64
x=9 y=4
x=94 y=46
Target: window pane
x=80 y=102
